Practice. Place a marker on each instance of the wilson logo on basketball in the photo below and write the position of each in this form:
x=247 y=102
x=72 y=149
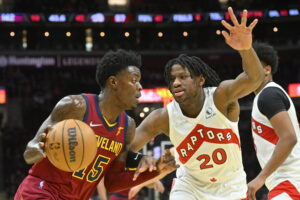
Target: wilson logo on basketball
x=72 y=143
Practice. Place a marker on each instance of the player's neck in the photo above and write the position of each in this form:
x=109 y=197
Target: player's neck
x=109 y=110
x=193 y=108
x=266 y=81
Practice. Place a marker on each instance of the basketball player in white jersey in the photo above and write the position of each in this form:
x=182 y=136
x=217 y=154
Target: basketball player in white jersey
x=202 y=121
x=275 y=130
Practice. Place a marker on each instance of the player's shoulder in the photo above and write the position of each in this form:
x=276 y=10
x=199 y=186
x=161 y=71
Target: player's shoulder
x=160 y=113
x=71 y=106
x=270 y=93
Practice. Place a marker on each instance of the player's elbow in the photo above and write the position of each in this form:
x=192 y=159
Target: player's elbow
x=293 y=140
x=28 y=158
x=290 y=140
x=257 y=79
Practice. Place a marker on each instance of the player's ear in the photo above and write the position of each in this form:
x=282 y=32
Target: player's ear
x=267 y=70
x=113 y=82
x=201 y=80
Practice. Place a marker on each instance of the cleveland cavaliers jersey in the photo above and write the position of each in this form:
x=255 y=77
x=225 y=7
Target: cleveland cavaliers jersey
x=208 y=146
x=265 y=140
x=111 y=140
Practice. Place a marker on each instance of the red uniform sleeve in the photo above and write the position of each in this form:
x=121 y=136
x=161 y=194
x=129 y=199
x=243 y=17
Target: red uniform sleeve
x=118 y=178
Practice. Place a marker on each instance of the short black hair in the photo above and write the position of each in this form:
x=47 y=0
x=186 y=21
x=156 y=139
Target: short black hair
x=267 y=54
x=113 y=62
x=196 y=67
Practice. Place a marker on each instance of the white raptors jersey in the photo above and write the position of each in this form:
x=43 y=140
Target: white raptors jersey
x=208 y=146
x=265 y=140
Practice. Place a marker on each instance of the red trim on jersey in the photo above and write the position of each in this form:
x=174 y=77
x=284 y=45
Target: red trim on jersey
x=285 y=187
x=201 y=134
x=264 y=131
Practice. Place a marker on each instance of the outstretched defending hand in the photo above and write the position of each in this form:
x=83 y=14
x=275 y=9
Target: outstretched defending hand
x=165 y=164
x=35 y=150
x=147 y=162
x=240 y=36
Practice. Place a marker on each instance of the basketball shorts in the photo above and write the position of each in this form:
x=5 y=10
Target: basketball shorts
x=34 y=188
x=183 y=188
x=284 y=191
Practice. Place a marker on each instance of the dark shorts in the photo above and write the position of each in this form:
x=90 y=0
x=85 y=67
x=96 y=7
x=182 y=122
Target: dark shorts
x=34 y=188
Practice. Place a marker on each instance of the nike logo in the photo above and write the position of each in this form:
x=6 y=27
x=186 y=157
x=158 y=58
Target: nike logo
x=94 y=125
x=137 y=155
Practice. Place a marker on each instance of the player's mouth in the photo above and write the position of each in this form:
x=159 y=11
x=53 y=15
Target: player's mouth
x=178 y=92
x=138 y=96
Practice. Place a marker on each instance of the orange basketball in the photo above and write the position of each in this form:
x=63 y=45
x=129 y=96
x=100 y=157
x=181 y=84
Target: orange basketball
x=71 y=145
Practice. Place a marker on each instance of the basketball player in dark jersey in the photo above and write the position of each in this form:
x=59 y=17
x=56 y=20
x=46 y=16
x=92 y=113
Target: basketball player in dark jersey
x=118 y=76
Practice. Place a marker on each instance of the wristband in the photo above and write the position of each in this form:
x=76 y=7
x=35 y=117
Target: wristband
x=133 y=159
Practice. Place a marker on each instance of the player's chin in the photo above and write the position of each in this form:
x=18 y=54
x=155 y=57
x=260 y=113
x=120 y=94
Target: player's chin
x=134 y=104
x=179 y=99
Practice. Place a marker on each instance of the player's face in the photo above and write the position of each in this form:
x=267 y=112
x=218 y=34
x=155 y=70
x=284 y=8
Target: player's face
x=182 y=85
x=130 y=88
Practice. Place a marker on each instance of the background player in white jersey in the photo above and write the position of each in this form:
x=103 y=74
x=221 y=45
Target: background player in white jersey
x=202 y=121
x=275 y=131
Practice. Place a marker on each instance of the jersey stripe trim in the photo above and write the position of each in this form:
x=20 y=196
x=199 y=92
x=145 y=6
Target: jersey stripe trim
x=265 y=132
x=285 y=187
x=87 y=107
x=125 y=129
x=201 y=134
x=110 y=128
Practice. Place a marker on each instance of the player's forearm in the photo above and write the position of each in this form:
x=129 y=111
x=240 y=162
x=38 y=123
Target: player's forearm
x=281 y=152
x=252 y=66
x=118 y=179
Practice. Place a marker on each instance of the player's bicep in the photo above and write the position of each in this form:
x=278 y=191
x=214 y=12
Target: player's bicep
x=235 y=89
x=69 y=107
x=282 y=124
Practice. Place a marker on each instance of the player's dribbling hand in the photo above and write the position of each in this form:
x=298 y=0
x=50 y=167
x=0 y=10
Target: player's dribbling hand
x=253 y=186
x=240 y=35
x=35 y=150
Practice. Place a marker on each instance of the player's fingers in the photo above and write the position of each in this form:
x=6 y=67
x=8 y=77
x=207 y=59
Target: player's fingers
x=47 y=129
x=41 y=145
x=232 y=17
x=226 y=35
x=43 y=137
x=244 y=18
x=226 y=25
x=136 y=175
x=251 y=195
x=151 y=162
x=253 y=24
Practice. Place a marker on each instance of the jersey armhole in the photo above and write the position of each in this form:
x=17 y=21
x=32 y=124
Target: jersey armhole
x=87 y=107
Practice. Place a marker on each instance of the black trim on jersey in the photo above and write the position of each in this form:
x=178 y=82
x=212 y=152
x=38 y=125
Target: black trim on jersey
x=87 y=107
x=110 y=128
x=271 y=101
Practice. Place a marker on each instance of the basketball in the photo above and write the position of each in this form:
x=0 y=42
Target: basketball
x=71 y=145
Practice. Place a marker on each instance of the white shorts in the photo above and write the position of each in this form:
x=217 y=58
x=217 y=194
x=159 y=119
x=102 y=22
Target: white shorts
x=184 y=188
